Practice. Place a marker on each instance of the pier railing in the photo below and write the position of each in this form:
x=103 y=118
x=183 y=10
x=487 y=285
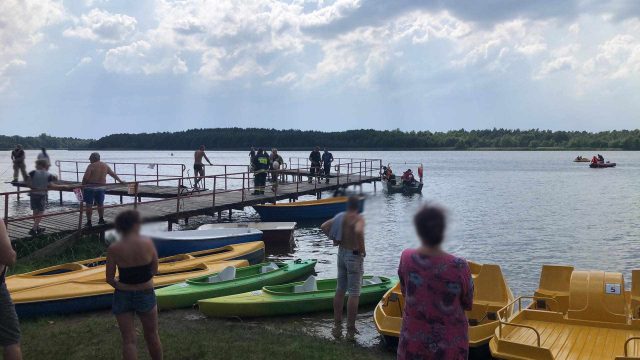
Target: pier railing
x=228 y=190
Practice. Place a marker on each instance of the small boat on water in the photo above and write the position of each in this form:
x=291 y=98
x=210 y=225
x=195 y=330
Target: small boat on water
x=272 y=232
x=232 y=281
x=94 y=268
x=290 y=299
x=304 y=210
x=572 y=315
x=179 y=242
x=581 y=159
x=491 y=294
x=600 y=165
x=394 y=185
x=89 y=294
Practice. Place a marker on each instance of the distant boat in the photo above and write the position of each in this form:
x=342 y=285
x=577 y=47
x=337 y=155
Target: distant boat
x=581 y=159
x=304 y=210
x=179 y=242
x=602 y=165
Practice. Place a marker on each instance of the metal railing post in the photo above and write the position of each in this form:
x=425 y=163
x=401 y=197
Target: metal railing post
x=157 y=175
x=135 y=172
x=298 y=182
x=225 y=177
x=78 y=173
x=213 y=201
x=135 y=200
x=243 y=177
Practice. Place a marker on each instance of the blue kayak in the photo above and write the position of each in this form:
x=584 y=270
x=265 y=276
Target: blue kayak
x=170 y=243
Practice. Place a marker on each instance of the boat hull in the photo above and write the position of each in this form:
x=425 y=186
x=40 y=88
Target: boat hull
x=188 y=293
x=400 y=188
x=267 y=302
x=272 y=232
x=304 y=210
x=170 y=243
x=602 y=165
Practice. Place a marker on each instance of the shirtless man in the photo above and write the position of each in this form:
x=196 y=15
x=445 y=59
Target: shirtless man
x=198 y=166
x=94 y=177
x=351 y=253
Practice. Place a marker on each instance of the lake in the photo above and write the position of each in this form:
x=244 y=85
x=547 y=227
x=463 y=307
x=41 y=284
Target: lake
x=516 y=209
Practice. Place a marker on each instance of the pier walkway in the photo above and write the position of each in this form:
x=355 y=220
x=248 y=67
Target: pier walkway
x=227 y=191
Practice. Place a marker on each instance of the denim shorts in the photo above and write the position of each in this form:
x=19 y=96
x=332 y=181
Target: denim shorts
x=38 y=202
x=9 y=325
x=93 y=196
x=140 y=302
x=350 y=269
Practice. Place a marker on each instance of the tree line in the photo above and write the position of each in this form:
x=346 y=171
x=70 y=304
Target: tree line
x=242 y=139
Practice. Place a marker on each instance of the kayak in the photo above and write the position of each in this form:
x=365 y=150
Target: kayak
x=289 y=299
x=88 y=294
x=304 y=210
x=178 y=242
x=94 y=268
x=233 y=281
x=272 y=232
x=602 y=165
x=490 y=294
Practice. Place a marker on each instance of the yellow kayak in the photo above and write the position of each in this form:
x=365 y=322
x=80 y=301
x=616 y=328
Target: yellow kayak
x=491 y=294
x=94 y=268
x=87 y=294
x=573 y=315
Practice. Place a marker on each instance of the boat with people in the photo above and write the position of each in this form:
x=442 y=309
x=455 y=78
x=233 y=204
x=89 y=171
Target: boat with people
x=178 y=242
x=491 y=293
x=304 y=297
x=94 y=268
x=406 y=184
x=272 y=232
x=232 y=281
x=90 y=294
x=600 y=165
x=581 y=158
x=574 y=314
x=322 y=209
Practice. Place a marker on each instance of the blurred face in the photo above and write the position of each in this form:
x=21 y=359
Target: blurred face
x=202 y=148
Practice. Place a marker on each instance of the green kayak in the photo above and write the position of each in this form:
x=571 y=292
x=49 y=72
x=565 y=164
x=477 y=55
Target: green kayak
x=289 y=299
x=232 y=281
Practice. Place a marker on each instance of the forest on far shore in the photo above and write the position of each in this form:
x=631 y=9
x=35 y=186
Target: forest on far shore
x=242 y=139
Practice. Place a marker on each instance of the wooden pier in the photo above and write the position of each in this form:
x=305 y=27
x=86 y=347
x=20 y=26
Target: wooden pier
x=231 y=191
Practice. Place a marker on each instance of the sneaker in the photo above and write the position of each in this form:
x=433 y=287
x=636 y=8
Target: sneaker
x=33 y=232
x=88 y=224
x=101 y=221
x=351 y=334
x=337 y=332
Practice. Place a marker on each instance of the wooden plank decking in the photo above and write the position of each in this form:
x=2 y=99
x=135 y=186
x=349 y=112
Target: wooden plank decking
x=167 y=209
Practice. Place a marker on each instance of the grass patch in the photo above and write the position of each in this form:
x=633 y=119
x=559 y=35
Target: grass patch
x=185 y=335
x=86 y=247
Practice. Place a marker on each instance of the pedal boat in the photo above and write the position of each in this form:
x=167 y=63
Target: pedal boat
x=491 y=293
x=573 y=315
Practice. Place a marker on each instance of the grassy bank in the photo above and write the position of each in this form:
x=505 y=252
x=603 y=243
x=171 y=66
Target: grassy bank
x=185 y=335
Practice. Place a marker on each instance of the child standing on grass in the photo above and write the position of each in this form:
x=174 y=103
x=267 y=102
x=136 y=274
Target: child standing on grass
x=39 y=181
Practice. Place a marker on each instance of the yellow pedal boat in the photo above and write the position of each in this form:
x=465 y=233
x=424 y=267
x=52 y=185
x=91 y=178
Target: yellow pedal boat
x=491 y=294
x=573 y=315
x=88 y=294
x=94 y=268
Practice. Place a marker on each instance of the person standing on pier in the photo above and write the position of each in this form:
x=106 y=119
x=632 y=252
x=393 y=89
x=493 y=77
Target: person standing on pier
x=261 y=167
x=327 y=159
x=94 y=179
x=349 y=230
x=39 y=180
x=315 y=158
x=276 y=162
x=19 y=167
x=9 y=324
x=198 y=166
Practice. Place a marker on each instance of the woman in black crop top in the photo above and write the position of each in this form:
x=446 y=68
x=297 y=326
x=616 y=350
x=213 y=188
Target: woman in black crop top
x=136 y=260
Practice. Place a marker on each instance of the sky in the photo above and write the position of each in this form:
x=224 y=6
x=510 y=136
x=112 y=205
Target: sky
x=88 y=68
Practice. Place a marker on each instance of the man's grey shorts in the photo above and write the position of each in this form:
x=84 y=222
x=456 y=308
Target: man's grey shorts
x=9 y=325
x=350 y=269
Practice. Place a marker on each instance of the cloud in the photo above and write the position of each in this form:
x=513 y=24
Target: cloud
x=141 y=58
x=21 y=27
x=84 y=61
x=103 y=26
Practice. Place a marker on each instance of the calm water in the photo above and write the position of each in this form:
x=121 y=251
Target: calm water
x=517 y=209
